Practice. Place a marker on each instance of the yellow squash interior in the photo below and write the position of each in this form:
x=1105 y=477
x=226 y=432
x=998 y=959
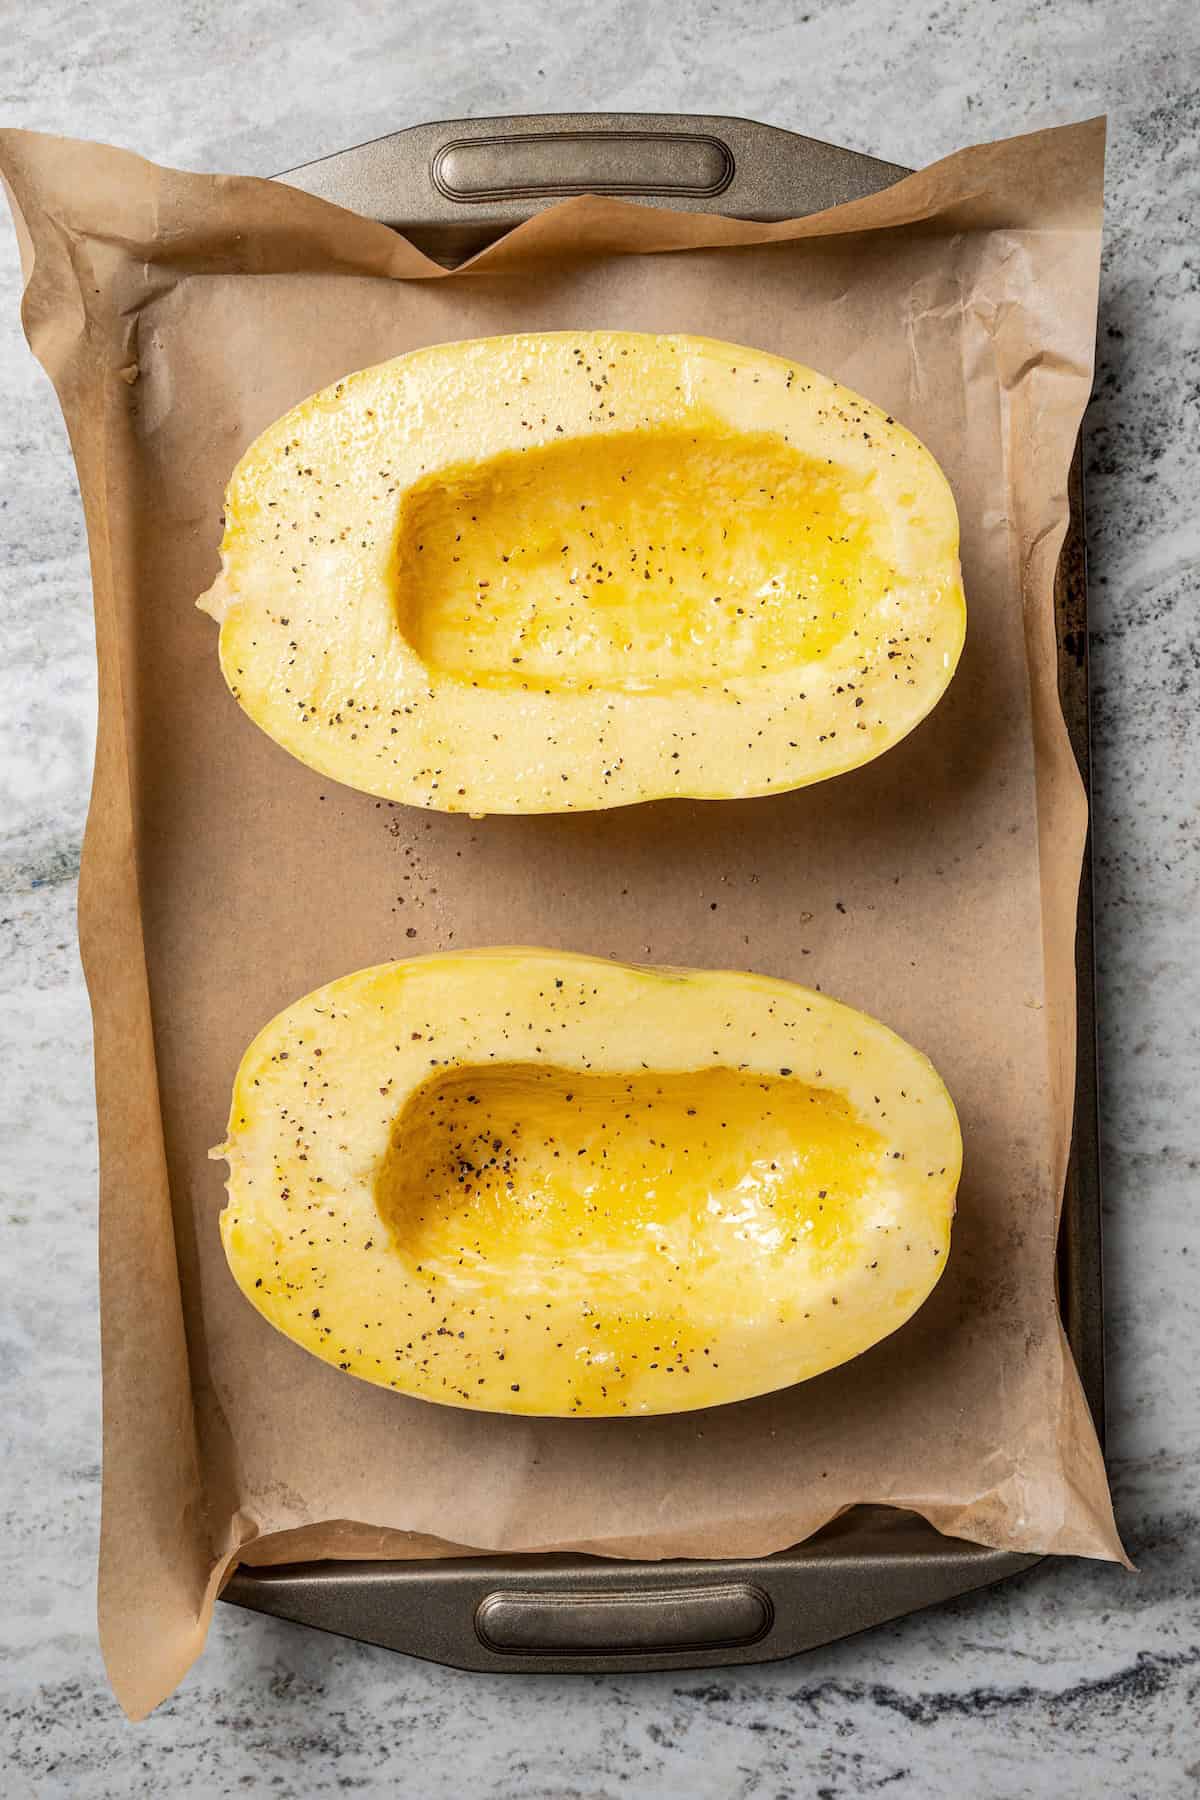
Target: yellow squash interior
x=514 y=1168
x=563 y=570
x=584 y=1235
x=670 y=560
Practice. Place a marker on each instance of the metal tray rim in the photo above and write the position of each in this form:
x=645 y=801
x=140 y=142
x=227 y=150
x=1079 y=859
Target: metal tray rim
x=397 y=1604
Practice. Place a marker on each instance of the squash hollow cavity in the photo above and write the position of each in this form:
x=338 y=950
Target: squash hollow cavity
x=625 y=1183
x=662 y=560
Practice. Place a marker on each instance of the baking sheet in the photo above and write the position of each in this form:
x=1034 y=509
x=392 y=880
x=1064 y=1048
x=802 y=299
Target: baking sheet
x=180 y=314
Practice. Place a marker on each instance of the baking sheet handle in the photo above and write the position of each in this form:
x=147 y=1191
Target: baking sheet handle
x=563 y=1614
x=453 y=187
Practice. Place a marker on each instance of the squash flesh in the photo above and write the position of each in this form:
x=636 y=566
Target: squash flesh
x=554 y=1228
x=513 y=1169
x=576 y=570
x=629 y=562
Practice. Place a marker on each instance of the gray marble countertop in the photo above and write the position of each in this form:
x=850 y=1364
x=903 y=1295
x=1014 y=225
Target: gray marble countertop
x=1074 y=1681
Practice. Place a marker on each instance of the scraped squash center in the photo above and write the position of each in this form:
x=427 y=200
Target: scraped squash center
x=621 y=1180
x=635 y=560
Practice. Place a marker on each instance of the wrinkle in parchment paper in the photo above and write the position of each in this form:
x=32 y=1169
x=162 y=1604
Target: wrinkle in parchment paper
x=935 y=887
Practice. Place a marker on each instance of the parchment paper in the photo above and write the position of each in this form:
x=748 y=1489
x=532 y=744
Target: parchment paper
x=178 y=315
